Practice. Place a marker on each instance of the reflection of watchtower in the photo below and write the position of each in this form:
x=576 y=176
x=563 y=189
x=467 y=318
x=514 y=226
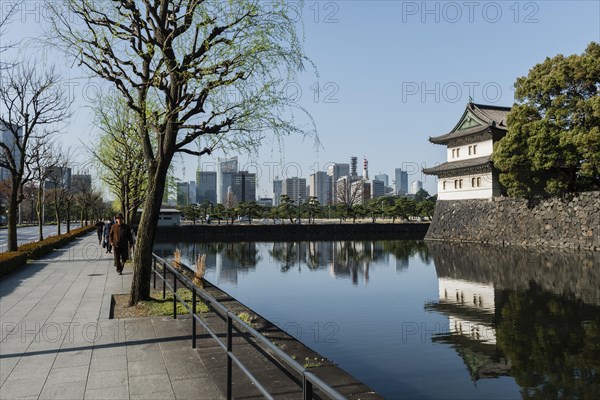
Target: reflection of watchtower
x=471 y=311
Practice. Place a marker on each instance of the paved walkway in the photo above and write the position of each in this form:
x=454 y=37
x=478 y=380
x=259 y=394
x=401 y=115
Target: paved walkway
x=57 y=341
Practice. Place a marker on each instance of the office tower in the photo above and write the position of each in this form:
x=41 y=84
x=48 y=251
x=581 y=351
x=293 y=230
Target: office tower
x=384 y=178
x=58 y=178
x=319 y=186
x=226 y=169
x=401 y=181
x=353 y=163
x=8 y=139
x=192 y=193
x=277 y=191
x=295 y=189
x=183 y=191
x=416 y=186
x=243 y=186
x=377 y=188
x=81 y=183
x=335 y=172
x=206 y=186
x=265 y=201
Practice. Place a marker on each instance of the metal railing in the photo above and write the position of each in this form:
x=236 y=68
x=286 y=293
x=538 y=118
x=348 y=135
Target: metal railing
x=309 y=380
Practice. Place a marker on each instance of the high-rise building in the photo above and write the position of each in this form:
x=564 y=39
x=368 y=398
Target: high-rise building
x=401 y=181
x=265 y=201
x=416 y=186
x=81 y=183
x=277 y=191
x=377 y=188
x=383 y=178
x=58 y=178
x=192 y=193
x=318 y=183
x=8 y=139
x=295 y=189
x=183 y=193
x=353 y=164
x=243 y=186
x=226 y=169
x=335 y=172
x=206 y=186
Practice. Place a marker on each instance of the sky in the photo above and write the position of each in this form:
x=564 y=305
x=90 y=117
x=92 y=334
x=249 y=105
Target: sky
x=390 y=74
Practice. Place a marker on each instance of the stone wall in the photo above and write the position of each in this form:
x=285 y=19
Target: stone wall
x=568 y=222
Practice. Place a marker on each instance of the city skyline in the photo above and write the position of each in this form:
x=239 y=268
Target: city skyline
x=320 y=184
x=383 y=101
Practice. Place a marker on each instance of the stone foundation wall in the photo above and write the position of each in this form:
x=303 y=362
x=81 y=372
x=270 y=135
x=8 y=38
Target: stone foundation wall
x=569 y=222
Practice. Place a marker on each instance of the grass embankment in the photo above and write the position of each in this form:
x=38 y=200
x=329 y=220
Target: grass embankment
x=156 y=306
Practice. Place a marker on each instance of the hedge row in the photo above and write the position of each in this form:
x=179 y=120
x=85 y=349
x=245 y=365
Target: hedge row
x=13 y=260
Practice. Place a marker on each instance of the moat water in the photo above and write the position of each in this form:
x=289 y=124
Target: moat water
x=417 y=320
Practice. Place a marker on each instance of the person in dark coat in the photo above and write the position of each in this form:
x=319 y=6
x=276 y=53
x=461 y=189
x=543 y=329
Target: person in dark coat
x=107 y=226
x=99 y=228
x=120 y=238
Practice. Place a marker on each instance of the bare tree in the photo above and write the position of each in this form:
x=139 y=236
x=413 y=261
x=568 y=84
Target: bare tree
x=42 y=160
x=59 y=192
x=346 y=193
x=30 y=101
x=7 y=12
x=210 y=71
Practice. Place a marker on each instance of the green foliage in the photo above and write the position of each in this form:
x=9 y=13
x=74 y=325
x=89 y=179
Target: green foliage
x=553 y=345
x=553 y=140
x=157 y=306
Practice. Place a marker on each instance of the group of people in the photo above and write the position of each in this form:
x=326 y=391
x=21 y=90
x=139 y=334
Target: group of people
x=116 y=235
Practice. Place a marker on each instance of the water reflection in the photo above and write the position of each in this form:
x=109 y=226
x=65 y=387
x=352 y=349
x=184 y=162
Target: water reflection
x=533 y=315
x=529 y=317
x=343 y=259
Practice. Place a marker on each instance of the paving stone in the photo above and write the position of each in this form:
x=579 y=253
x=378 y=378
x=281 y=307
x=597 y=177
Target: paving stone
x=146 y=367
x=64 y=391
x=106 y=379
x=67 y=375
x=109 y=351
x=187 y=371
x=21 y=388
x=108 y=393
x=73 y=358
x=116 y=363
x=150 y=385
x=199 y=388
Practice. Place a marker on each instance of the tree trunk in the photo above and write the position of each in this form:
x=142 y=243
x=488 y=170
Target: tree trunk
x=12 y=222
x=57 y=213
x=68 y=218
x=38 y=210
x=142 y=260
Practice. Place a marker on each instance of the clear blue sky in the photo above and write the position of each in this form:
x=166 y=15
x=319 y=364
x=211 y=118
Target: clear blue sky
x=391 y=74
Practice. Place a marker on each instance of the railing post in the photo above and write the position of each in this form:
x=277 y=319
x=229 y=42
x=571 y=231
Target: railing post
x=306 y=388
x=229 y=349
x=193 y=318
x=154 y=272
x=164 y=280
x=174 y=295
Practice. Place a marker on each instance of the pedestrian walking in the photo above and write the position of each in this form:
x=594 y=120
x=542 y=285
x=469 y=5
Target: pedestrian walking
x=109 y=223
x=99 y=229
x=120 y=238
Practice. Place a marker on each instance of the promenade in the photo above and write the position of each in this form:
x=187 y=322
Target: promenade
x=57 y=341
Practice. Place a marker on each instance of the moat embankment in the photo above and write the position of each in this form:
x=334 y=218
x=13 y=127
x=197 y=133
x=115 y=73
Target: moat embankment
x=568 y=222
x=301 y=232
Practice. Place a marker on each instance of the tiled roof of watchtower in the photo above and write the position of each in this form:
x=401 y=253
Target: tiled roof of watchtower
x=477 y=118
x=458 y=166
